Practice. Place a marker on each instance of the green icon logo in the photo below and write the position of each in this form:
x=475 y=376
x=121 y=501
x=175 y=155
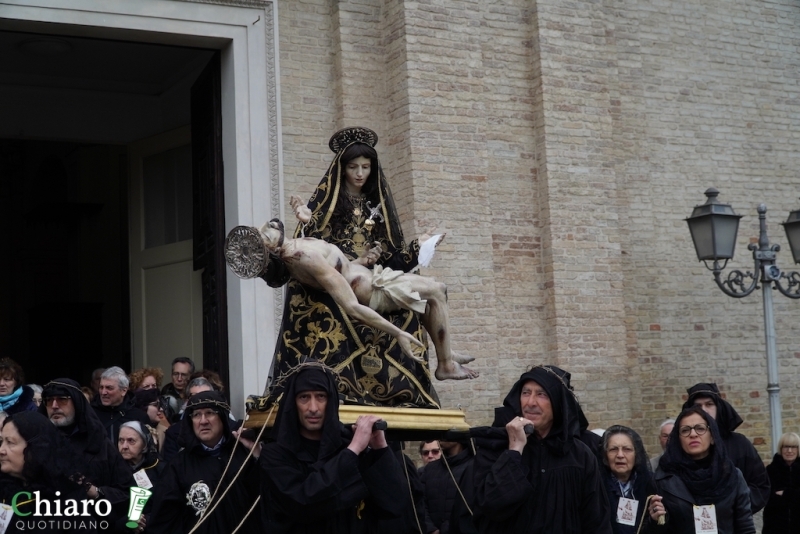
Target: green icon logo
x=139 y=498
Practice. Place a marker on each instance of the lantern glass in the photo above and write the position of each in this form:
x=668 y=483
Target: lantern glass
x=792 y=228
x=714 y=226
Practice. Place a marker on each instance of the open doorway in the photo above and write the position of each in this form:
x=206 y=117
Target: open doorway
x=65 y=296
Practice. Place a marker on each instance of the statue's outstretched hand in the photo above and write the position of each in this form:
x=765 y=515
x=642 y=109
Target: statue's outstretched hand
x=301 y=211
x=371 y=255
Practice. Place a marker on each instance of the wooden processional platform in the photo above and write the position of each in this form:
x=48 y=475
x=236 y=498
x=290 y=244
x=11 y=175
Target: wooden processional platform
x=402 y=424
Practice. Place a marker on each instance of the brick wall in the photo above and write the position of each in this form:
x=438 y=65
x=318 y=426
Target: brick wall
x=561 y=146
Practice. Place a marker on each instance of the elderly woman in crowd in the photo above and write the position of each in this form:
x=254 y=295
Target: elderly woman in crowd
x=15 y=397
x=137 y=447
x=782 y=513
x=628 y=479
x=697 y=482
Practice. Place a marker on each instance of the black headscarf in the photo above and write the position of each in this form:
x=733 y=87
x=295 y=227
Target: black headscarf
x=348 y=144
x=86 y=421
x=727 y=418
x=566 y=423
x=709 y=479
x=205 y=399
x=286 y=431
x=48 y=460
x=641 y=462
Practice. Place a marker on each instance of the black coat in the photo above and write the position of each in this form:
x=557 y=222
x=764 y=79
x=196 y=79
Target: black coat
x=643 y=486
x=732 y=510
x=782 y=513
x=441 y=493
x=344 y=493
x=173 y=513
x=538 y=491
x=112 y=417
x=414 y=517
x=744 y=456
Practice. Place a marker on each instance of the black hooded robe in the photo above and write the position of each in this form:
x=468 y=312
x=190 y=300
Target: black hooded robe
x=554 y=486
x=739 y=449
x=441 y=493
x=322 y=487
x=173 y=512
x=100 y=460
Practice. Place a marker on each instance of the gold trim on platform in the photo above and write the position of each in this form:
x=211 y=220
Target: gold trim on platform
x=396 y=418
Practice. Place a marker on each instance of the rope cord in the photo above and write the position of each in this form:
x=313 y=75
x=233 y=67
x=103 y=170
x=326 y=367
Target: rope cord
x=644 y=511
x=411 y=494
x=452 y=476
x=246 y=516
x=207 y=512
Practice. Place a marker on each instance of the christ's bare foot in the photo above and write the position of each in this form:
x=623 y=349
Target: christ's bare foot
x=454 y=371
x=462 y=358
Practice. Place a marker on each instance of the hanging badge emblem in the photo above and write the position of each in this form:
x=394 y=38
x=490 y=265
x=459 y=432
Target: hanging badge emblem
x=198 y=497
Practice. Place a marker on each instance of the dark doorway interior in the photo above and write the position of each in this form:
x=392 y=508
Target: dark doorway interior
x=64 y=299
x=74 y=106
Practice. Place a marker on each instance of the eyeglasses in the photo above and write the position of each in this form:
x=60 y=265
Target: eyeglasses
x=430 y=452
x=208 y=414
x=180 y=375
x=699 y=429
x=625 y=450
x=60 y=401
x=790 y=447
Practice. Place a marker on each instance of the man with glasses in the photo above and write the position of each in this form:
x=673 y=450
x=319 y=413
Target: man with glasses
x=182 y=369
x=183 y=497
x=106 y=475
x=429 y=451
x=663 y=437
x=738 y=447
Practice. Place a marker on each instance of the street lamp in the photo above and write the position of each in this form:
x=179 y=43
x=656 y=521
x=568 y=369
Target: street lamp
x=713 y=226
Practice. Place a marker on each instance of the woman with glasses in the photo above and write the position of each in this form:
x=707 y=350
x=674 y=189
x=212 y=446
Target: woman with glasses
x=628 y=479
x=138 y=449
x=698 y=485
x=782 y=513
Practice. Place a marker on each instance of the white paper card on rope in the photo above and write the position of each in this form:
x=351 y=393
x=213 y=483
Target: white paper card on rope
x=705 y=519
x=626 y=511
x=6 y=515
x=142 y=480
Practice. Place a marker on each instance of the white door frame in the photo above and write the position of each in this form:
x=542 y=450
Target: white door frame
x=246 y=33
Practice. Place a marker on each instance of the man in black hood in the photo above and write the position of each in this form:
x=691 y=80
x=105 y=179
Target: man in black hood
x=211 y=480
x=739 y=449
x=105 y=474
x=548 y=481
x=313 y=480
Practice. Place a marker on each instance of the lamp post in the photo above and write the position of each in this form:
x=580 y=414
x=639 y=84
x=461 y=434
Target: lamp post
x=713 y=226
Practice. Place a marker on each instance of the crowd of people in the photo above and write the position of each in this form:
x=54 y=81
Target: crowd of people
x=534 y=470
x=537 y=469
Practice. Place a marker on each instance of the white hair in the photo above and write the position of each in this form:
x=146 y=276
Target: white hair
x=665 y=423
x=118 y=374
